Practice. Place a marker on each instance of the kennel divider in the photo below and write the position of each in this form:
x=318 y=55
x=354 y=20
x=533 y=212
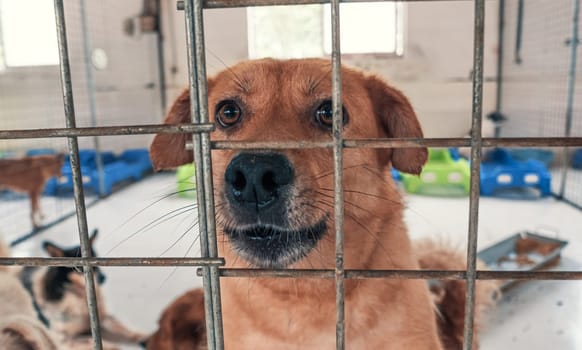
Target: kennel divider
x=68 y=102
x=476 y=144
x=201 y=149
x=337 y=132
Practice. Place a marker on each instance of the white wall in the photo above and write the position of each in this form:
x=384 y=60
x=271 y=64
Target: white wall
x=226 y=43
x=434 y=71
x=127 y=92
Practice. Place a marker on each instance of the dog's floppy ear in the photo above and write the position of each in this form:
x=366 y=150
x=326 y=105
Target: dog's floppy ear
x=398 y=119
x=169 y=150
x=53 y=250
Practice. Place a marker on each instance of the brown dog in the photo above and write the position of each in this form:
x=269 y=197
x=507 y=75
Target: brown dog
x=29 y=175
x=275 y=208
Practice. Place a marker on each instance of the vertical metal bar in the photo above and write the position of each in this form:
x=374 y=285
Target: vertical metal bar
x=161 y=59
x=475 y=171
x=207 y=170
x=91 y=92
x=69 y=106
x=518 y=32
x=499 y=82
x=337 y=174
x=500 y=38
x=201 y=193
x=574 y=42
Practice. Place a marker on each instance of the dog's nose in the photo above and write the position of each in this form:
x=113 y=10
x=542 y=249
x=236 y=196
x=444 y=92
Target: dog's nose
x=255 y=180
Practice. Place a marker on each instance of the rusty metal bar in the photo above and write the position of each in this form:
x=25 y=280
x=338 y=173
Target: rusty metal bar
x=68 y=101
x=207 y=171
x=476 y=144
x=90 y=261
x=348 y=143
x=105 y=131
x=337 y=128
x=574 y=43
x=194 y=80
x=402 y=143
x=400 y=274
x=213 y=4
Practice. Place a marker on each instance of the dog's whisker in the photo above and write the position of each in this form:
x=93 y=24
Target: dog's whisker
x=164 y=218
x=191 y=227
x=176 y=267
x=330 y=172
x=166 y=196
x=364 y=194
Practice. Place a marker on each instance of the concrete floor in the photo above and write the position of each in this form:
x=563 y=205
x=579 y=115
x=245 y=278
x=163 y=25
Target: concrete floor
x=138 y=222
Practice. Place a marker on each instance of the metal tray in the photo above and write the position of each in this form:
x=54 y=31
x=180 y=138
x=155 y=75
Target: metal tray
x=523 y=251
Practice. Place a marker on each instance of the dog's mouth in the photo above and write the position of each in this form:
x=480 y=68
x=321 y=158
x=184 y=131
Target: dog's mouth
x=271 y=246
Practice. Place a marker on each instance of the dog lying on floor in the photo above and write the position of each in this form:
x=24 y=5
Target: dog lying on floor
x=20 y=328
x=58 y=300
x=275 y=210
x=29 y=175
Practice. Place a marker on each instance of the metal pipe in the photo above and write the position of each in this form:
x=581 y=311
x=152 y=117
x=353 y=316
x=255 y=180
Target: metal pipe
x=337 y=128
x=400 y=274
x=161 y=58
x=197 y=152
x=499 y=79
x=518 y=33
x=69 y=107
x=207 y=170
x=574 y=42
x=476 y=144
x=401 y=143
x=91 y=261
x=105 y=130
x=212 y=4
x=91 y=92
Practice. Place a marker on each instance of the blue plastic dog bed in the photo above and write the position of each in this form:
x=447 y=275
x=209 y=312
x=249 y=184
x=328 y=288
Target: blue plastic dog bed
x=130 y=165
x=500 y=171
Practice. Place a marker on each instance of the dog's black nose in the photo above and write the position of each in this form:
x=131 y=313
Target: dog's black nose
x=255 y=180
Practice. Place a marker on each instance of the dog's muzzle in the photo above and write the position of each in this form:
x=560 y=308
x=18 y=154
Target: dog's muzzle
x=258 y=189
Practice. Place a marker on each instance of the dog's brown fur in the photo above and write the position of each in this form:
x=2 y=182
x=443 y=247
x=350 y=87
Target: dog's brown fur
x=449 y=295
x=278 y=99
x=29 y=175
x=182 y=324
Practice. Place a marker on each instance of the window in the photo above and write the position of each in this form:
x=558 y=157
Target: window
x=28 y=34
x=305 y=31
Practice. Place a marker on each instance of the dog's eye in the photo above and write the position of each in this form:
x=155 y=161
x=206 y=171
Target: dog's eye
x=324 y=114
x=228 y=113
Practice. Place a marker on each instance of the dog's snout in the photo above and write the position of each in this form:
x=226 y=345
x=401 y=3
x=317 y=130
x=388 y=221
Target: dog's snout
x=255 y=180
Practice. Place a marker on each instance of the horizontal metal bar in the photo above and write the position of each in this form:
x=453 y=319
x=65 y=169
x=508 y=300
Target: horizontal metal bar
x=404 y=143
x=348 y=143
x=214 y=4
x=106 y=130
x=402 y=274
x=140 y=262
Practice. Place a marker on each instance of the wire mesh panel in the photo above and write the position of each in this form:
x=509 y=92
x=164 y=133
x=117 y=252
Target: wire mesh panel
x=540 y=78
x=115 y=73
x=202 y=146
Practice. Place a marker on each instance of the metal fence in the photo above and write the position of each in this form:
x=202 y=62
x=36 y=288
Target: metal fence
x=539 y=75
x=117 y=79
x=210 y=262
